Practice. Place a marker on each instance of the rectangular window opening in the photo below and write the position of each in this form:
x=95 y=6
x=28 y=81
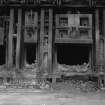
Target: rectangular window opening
x=73 y=54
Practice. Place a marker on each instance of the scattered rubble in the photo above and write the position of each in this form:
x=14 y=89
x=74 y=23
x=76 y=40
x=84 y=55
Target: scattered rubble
x=73 y=68
x=26 y=78
x=76 y=85
x=30 y=70
x=70 y=85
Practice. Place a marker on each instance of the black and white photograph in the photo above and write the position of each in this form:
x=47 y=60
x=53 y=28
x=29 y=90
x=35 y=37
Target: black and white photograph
x=52 y=52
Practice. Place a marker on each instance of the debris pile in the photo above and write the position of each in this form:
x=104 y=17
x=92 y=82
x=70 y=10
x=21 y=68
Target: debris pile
x=30 y=70
x=6 y=72
x=31 y=66
x=79 y=85
x=73 y=68
x=20 y=84
x=25 y=78
x=89 y=86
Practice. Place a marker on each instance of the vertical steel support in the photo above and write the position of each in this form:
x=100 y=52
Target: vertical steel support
x=10 y=39
x=18 y=45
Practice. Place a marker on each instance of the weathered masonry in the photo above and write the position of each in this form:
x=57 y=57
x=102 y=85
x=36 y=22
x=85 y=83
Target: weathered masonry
x=51 y=33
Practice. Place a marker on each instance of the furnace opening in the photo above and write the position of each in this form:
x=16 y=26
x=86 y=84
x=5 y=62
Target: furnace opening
x=30 y=53
x=73 y=54
x=2 y=54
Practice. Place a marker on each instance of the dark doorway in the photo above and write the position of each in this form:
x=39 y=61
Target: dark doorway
x=2 y=54
x=30 y=53
x=73 y=54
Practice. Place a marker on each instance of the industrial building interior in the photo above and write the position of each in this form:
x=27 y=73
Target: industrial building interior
x=46 y=37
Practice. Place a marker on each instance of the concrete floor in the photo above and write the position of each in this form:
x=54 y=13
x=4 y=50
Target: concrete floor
x=40 y=97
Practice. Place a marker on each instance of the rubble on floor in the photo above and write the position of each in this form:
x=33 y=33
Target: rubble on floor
x=30 y=70
x=6 y=72
x=76 y=85
x=69 y=86
x=25 y=84
x=26 y=78
x=85 y=67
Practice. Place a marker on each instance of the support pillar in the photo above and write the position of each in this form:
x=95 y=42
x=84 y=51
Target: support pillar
x=39 y=75
x=97 y=38
x=102 y=54
x=41 y=36
x=10 y=39
x=50 y=41
x=104 y=35
x=101 y=79
x=18 y=39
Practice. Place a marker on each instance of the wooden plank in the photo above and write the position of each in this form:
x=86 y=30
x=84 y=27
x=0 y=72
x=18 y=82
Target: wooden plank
x=50 y=40
x=18 y=39
x=10 y=38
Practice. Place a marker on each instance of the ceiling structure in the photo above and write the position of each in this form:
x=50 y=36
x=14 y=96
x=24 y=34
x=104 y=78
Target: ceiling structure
x=92 y=3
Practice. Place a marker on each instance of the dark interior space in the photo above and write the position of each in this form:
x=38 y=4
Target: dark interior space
x=30 y=53
x=2 y=54
x=14 y=50
x=73 y=54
